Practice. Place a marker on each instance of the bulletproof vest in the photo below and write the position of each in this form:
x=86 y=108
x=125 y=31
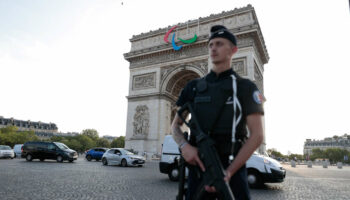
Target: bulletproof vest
x=213 y=106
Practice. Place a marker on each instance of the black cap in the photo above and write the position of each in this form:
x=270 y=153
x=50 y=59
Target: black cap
x=223 y=32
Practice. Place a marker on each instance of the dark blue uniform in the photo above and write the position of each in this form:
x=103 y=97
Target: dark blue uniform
x=220 y=128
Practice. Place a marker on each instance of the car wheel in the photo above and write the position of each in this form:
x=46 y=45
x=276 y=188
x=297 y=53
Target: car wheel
x=88 y=158
x=104 y=161
x=97 y=159
x=59 y=158
x=124 y=163
x=71 y=161
x=174 y=174
x=29 y=157
x=254 y=178
x=42 y=159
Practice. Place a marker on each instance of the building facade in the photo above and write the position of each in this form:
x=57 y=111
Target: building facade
x=41 y=129
x=341 y=142
x=159 y=71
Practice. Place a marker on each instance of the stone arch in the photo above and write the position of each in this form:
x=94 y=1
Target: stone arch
x=175 y=80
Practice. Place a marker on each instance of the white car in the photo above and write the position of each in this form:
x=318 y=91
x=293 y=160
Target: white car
x=120 y=156
x=18 y=150
x=6 y=152
x=261 y=169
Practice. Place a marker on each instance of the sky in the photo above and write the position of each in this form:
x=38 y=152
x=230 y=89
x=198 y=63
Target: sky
x=61 y=61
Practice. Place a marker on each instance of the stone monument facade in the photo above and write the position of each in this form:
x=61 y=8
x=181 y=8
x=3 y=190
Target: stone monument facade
x=158 y=72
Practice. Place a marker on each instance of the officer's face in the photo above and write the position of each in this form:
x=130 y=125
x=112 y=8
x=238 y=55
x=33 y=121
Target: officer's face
x=221 y=50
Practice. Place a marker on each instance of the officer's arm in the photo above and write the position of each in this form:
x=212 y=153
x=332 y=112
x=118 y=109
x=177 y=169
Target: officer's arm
x=189 y=152
x=254 y=123
x=176 y=130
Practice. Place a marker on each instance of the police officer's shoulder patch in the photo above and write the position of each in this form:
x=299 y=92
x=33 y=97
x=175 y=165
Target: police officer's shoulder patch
x=257 y=96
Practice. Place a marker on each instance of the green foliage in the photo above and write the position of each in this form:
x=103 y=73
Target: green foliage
x=119 y=142
x=92 y=133
x=11 y=136
x=275 y=154
x=333 y=154
x=294 y=156
x=102 y=142
x=79 y=143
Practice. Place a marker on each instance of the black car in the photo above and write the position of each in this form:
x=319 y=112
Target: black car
x=48 y=150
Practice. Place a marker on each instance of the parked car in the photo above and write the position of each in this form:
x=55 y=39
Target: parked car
x=6 y=152
x=48 y=150
x=260 y=168
x=119 y=156
x=95 y=153
x=18 y=150
x=263 y=169
x=169 y=158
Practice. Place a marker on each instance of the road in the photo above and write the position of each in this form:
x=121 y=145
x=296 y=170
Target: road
x=20 y=179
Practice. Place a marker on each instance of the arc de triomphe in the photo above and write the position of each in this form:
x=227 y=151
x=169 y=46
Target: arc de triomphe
x=158 y=72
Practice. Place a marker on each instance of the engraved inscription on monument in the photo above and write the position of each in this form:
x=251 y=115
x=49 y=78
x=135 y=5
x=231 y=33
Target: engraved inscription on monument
x=144 y=81
x=141 y=121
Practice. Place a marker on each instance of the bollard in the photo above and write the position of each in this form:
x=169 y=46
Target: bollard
x=309 y=164
x=292 y=163
x=339 y=165
x=325 y=164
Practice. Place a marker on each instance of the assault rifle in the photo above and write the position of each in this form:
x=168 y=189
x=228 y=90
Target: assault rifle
x=214 y=172
x=182 y=173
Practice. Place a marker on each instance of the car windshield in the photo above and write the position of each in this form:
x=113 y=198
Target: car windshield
x=5 y=148
x=128 y=152
x=61 y=146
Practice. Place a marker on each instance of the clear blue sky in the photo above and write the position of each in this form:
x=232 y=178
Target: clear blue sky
x=62 y=62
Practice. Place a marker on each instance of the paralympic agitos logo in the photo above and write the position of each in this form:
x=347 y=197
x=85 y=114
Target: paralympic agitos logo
x=175 y=47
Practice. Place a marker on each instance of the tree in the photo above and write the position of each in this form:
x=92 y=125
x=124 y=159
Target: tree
x=275 y=154
x=297 y=156
x=333 y=154
x=11 y=136
x=85 y=141
x=74 y=144
x=119 y=142
x=102 y=142
x=92 y=133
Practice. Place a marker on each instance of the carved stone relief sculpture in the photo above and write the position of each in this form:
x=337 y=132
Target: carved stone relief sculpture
x=239 y=67
x=144 y=81
x=141 y=122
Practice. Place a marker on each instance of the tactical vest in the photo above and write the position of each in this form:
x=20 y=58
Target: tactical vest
x=213 y=107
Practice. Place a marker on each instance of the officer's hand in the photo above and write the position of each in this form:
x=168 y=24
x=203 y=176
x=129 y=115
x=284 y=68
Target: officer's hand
x=209 y=188
x=190 y=154
x=227 y=178
x=228 y=175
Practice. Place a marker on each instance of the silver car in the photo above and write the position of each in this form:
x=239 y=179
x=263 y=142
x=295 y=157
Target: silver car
x=119 y=156
x=6 y=152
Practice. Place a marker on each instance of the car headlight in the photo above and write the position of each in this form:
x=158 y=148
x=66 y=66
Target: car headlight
x=68 y=154
x=133 y=158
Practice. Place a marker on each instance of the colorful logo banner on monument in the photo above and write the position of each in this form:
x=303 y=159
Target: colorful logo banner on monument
x=176 y=47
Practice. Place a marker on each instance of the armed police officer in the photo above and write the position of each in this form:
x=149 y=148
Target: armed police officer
x=227 y=123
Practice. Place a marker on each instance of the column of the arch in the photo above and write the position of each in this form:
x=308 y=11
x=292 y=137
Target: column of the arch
x=164 y=123
x=248 y=54
x=262 y=148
